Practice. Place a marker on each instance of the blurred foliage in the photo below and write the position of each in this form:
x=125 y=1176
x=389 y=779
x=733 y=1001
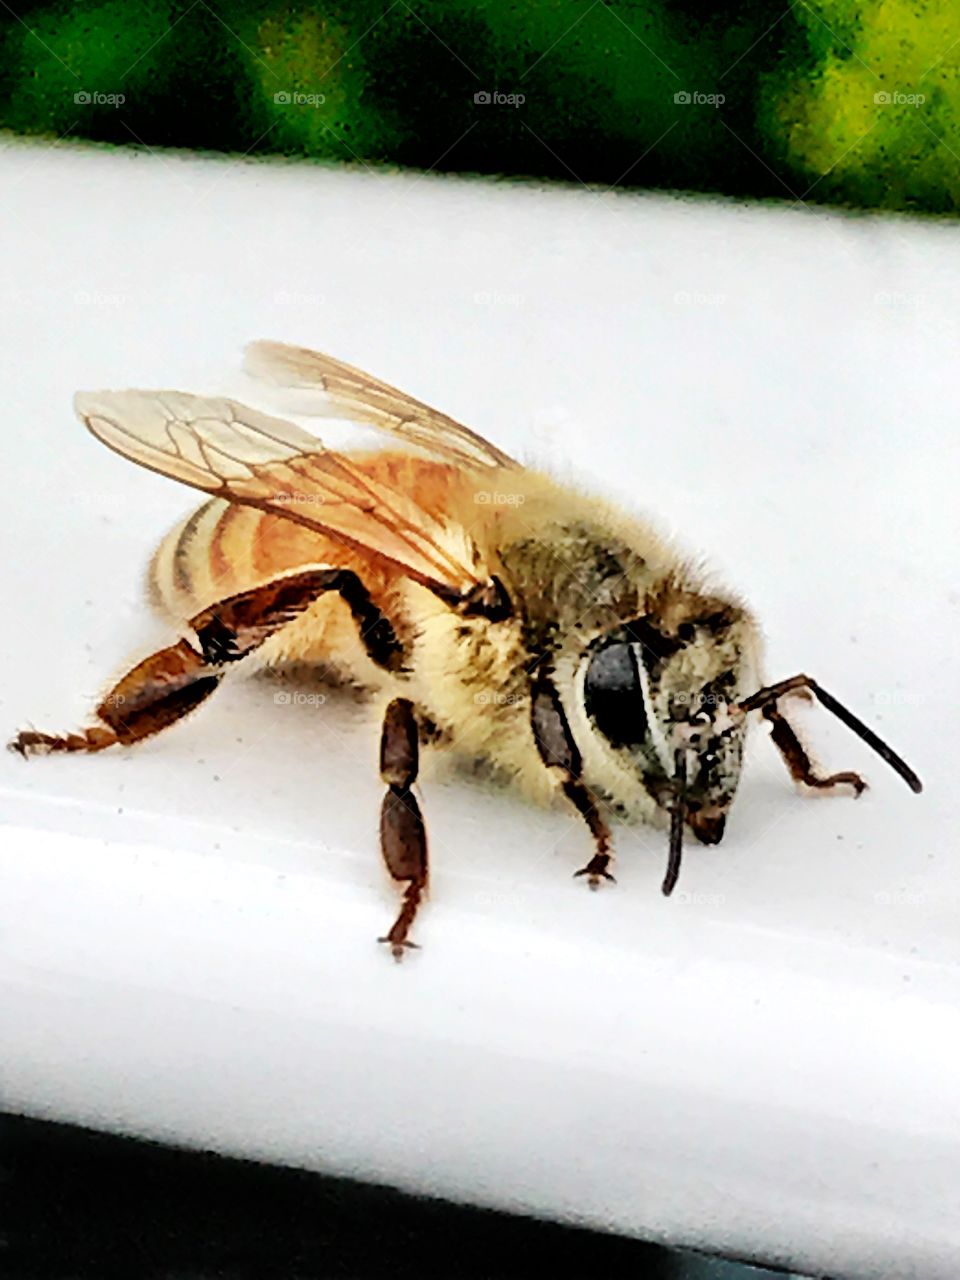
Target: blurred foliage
x=750 y=98
x=876 y=121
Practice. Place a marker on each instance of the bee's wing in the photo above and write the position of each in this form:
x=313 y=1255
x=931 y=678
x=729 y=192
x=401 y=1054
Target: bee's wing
x=356 y=395
x=237 y=453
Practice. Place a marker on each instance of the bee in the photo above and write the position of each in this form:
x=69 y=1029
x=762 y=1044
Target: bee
x=497 y=614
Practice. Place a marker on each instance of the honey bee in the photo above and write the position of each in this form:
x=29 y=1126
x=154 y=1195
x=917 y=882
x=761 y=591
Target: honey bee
x=497 y=613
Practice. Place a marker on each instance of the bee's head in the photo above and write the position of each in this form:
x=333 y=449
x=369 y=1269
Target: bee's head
x=662 y=690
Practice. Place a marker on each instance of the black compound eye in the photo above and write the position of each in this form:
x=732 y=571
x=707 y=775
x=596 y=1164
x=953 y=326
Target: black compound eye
x=613 y=694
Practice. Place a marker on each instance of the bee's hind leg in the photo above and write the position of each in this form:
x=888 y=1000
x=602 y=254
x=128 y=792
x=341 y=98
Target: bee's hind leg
x=558 y=750
x=172 y=682
x=403 y=836
x=153 y=695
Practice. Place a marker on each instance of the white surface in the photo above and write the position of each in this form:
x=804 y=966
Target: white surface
x=765 y=1064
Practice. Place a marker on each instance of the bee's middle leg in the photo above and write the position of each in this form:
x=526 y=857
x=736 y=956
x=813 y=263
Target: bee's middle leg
x=403 y=836
x=559 y=751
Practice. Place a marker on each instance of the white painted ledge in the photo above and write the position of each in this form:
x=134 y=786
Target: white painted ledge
x=765 y=1064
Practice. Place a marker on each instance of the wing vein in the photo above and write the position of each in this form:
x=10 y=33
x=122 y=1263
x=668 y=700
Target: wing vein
x=243 y=456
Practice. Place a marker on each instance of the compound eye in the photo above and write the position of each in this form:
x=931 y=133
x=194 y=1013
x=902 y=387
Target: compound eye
x=613 y=694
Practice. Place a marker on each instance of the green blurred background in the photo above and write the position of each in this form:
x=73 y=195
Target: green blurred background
x=826 y=100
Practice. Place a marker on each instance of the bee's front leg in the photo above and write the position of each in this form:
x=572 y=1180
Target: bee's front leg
x=403 y=836
x=559 y=751
x=767 y=701
x=795 y=757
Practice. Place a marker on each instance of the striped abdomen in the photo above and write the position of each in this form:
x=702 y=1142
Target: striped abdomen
x=223 y=548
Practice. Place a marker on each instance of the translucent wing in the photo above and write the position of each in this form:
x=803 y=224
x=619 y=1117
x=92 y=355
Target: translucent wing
x=237 y=453
x=357 y=395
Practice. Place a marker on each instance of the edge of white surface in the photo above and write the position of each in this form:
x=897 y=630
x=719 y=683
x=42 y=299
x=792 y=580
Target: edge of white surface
x=239 y=981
